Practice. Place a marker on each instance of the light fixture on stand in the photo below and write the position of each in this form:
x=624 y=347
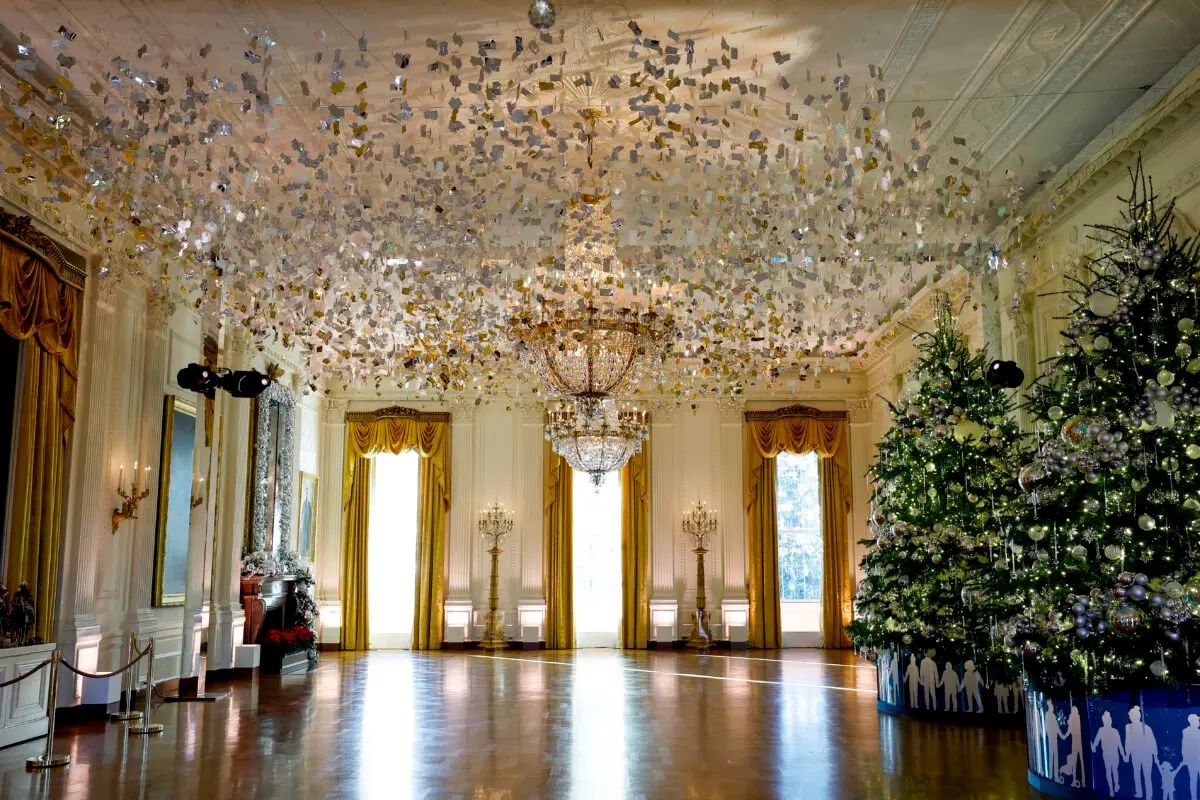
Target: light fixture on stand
x=495 y=524
x=596 y=438
x=699 y=523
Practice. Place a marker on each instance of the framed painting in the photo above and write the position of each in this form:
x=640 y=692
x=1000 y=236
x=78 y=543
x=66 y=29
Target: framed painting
x=306 y=523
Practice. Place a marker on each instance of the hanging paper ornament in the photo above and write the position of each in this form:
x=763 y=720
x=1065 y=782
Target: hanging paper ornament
x=542 y=14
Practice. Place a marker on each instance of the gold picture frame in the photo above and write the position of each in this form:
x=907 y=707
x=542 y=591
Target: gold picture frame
x=174 y=503
x=306 y=516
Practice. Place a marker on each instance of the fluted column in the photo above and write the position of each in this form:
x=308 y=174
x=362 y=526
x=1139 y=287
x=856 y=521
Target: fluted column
x=733 y=503
x=327 y=555
x=226 y=620
x=142 y=532
x=664 y=544
x=459 y=545
x=93 y=488
x=200 y=541
x=529 y=502
x=862 y=455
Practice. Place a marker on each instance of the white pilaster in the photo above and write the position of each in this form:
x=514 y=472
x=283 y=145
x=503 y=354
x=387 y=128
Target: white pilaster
x=664 y=603
x=92 y=482
x=327 y=564
x=226 y=620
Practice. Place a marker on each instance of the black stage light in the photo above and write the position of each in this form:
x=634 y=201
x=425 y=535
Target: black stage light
x=245 y=383
x=1005 y=374
x=198 y=378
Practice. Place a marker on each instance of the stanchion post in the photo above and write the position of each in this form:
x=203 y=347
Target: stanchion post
x=145 y=726
x=49 y=759
x=128 y=686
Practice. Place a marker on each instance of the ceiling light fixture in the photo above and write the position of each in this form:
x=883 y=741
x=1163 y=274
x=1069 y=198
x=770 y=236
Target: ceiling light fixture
x=597 y=439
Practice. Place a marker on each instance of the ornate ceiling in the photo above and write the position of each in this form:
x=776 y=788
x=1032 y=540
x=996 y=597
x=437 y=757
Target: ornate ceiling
x=383 y=185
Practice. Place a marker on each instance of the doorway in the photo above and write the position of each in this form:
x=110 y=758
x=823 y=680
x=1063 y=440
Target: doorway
x=801 y=548
x=392 y=549
x=596 y=560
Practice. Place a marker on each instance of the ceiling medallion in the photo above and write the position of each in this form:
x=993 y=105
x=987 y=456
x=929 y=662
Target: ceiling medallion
x=596 y=438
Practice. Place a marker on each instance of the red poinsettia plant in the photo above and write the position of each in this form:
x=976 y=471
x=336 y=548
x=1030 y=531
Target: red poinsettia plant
x=291 y=640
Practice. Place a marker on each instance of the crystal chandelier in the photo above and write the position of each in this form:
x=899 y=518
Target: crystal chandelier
x=596 y=438
x=699 y=522
x=590 y=337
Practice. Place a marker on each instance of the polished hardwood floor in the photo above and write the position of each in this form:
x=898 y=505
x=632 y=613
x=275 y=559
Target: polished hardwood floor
x=571 y=724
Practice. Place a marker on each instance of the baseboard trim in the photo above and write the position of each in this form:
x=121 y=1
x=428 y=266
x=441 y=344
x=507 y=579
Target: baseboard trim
x=85 y=713
x=230 y=674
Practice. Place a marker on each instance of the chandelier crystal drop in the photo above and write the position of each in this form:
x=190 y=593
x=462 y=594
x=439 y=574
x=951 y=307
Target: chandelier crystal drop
x=596 y=438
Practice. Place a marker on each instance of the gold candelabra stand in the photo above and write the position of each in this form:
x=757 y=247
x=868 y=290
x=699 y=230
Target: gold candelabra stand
x=130 y=498
x=699 y=523
x=495 y=524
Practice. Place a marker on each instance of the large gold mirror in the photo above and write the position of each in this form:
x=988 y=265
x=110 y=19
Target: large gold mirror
x=177 y=486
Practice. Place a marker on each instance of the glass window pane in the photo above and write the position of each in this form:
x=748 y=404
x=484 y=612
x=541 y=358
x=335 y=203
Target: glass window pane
x=392 y=549
x=798 y=509
x=596 y=556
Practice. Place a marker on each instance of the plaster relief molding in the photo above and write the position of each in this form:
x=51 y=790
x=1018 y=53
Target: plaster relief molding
x=1176 y=110
x=919 y=310
x=1104 y=31
x=1014 y=32
x=335 y=411
x=859 y=410
x=918 y=29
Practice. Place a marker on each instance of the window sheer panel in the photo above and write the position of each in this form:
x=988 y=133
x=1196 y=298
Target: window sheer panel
x=596 y=518
x=392 y=549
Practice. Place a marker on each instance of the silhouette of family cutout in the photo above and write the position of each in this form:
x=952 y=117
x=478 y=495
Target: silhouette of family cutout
x=922 y=681
x=1139 y=748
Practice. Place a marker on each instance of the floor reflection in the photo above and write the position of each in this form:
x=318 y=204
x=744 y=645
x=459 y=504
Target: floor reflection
x=584 y=724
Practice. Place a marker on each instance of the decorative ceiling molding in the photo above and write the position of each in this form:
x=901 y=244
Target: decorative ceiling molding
x=1089 y=47
x=915 y=34
x=968 y=96
x=1176 y=110
x=956 y=283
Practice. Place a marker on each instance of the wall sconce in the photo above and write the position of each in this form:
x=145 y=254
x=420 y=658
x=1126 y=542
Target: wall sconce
x=131 y=499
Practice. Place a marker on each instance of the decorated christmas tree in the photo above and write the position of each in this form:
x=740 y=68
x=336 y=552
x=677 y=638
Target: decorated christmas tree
x=1114 y=486
x=947 y=514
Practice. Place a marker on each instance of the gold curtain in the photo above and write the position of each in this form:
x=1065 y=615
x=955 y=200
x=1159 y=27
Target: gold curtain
x=356 y=623
x=797 y=429
x=40 y=300
x=635 y=550
x=556 y=526
x=394 y=430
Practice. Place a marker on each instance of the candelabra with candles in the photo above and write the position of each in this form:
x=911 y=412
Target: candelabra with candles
x=131 y=498
x=495 y=524
x=699 y=523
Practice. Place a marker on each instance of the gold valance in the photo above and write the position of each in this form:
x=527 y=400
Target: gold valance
x=394 y=430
